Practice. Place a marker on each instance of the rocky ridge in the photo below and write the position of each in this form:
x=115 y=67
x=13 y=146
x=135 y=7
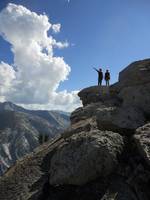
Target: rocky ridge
x=103 y=155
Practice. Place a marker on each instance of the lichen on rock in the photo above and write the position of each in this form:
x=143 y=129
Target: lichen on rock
x=85 y=156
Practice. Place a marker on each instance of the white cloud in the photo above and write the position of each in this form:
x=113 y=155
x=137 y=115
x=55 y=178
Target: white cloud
x=7 y=75
x=39 y=72
x=56 y=28
x=64 y=101
x=60 y=45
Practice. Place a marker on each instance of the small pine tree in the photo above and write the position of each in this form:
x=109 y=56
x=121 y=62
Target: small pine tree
x=40 y=138
x=43 y=138
x=46 y=138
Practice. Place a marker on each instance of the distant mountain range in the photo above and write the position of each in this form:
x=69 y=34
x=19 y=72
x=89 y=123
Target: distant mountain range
x=20 y=130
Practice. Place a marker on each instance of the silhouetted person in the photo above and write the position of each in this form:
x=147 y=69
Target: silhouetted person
x=100 y=76
x=107 y=77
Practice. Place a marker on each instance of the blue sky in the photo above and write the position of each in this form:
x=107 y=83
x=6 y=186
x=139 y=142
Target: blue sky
x=102 y=33
x=106 y=33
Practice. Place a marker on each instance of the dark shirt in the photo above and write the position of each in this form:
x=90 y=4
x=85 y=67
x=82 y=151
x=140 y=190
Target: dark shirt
x=107 y=76
x=100 y=75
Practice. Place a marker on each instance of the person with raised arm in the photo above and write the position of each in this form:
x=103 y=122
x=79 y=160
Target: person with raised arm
x=100 y=75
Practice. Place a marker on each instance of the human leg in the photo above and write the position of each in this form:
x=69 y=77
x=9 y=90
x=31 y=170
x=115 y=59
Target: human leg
x=100 y=82
x=108 y=83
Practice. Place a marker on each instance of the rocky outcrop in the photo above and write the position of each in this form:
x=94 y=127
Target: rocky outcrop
x=137 y=96
x=122 y=106
x=133 y=87
x=123 y=120
x=98 y=94
x=89 y=157
x=103 y=155
x=84 y=157
x=137 y=73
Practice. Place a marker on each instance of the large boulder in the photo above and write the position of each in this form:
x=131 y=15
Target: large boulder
x=90 y=110
x=136 y=73
x=142 y=139
x=85 y=112
x=97 y=94
x=123 y=120
x=133 y=87
x=137 y=96
x=85 y=157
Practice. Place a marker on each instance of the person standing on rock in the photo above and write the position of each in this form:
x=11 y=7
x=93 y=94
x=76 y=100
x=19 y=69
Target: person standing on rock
x=107 y=77
x=100 y=76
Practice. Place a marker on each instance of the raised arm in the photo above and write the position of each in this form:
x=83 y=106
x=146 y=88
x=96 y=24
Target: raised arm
x=95 y=69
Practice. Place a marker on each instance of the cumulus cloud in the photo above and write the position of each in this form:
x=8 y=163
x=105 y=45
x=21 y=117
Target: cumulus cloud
x=39 y=72
x=64 y=101
x=56 y=28
x=60 y=45
x=7 y=75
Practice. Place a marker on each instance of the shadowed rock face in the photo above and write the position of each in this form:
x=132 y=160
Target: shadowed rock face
x=103 y=155
x=137 y=96
x=137 y=73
